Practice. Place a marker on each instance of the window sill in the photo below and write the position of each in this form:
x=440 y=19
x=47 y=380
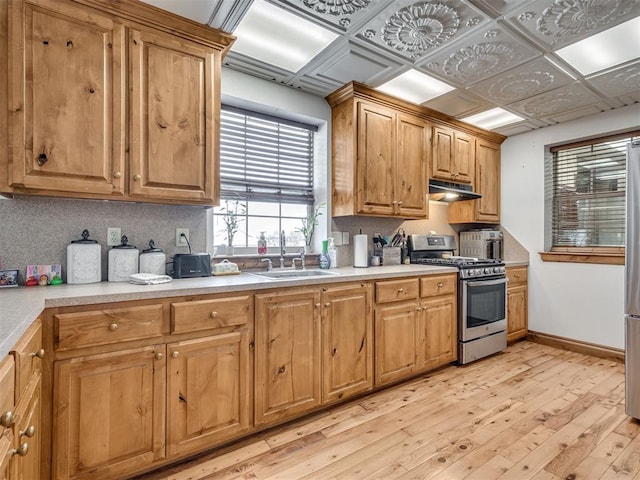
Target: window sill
x=609 y=258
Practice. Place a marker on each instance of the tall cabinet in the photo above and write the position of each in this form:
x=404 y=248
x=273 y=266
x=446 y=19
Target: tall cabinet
x=112 y=100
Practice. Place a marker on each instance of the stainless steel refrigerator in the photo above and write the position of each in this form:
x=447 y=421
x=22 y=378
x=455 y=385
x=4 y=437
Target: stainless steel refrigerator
x=632 y=283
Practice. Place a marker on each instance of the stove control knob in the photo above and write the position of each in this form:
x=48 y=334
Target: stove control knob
x=471 y=272
x=487 y=270
x=496 y=269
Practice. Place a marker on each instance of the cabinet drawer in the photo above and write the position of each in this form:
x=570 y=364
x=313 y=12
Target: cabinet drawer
x=28 y=354
x=438 y=285
x=83 y=329
x=208 y=314
x=395 y=290
x=517 y=275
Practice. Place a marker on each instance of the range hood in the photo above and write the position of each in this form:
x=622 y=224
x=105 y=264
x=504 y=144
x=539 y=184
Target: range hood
x=450 y=191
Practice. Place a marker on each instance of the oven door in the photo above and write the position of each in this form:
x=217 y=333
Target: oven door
x=483 y=308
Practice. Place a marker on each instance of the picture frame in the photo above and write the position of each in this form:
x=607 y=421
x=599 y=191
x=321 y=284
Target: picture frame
x=8 y=278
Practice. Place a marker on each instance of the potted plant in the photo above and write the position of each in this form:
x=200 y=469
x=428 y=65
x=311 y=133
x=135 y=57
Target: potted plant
x=309 y=225
x=233 y=213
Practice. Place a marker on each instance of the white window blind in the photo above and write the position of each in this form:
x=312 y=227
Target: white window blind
x=588 y=185
x=265 y=158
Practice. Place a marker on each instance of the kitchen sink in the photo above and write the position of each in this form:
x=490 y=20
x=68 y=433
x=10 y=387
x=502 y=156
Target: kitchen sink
x=274 y=274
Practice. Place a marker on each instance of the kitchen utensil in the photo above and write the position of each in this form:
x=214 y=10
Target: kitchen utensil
x=83 y=260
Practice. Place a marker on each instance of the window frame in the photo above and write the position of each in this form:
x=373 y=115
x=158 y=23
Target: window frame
x=610 y=255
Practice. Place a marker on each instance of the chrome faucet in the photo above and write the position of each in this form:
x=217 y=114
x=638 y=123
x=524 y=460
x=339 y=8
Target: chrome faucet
x=282 y=250
x=269 y=264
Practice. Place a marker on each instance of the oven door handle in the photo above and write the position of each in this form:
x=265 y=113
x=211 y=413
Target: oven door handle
x=486 y=283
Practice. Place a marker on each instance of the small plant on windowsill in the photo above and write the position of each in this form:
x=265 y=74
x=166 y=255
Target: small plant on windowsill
x=309 y=225
x=233 y=213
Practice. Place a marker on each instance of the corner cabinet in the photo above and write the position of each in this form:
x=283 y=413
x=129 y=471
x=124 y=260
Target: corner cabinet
x=72 y=121
x=487 y=183
x=379 y=161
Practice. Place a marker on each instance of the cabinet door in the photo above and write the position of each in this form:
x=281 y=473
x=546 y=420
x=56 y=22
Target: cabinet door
x=464 y=158
x=517 y=301
x=411 y=167
x=174 y=110
x=442 y=157
x=109 y=413
x=209 y=396
x=7 y=412
x=438 y=329
x=376 y=159
x=28 y=432
x=488 y=181
x=347 y=348
x=287 y=353
x=66 y=99
x=397 y=341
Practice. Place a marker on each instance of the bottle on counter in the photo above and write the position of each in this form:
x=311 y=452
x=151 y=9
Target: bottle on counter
x=325 y=261
x=262 y=244
x=333 y=254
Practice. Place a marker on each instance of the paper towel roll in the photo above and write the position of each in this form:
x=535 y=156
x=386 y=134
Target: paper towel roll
x=360 y=251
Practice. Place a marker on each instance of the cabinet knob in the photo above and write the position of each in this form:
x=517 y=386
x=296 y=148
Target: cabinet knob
x=517 y=275
x=440 y=285
x=213 y=314
x=400 y=202
x=175 y=354
x=318 y=305
x=117 y=174
x=159 y=356
x=327 y=305
x=402 y=290
x=39 y=354
x=7 y=419
x=137 y=177
x=113 y=327
x=22 y=450
x=29 y=432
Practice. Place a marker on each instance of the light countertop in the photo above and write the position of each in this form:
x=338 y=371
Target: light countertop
x=20 y=306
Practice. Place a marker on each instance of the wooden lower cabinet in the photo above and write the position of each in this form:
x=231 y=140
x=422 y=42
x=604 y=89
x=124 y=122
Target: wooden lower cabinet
x=438 y=325
x=517 y=303
x=287 y=350
x=347 y=342
x=209 y=391
x=25 y=464
x=7 y=413
x=109 y=413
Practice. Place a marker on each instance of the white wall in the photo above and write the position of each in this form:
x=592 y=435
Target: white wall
x=578 y=301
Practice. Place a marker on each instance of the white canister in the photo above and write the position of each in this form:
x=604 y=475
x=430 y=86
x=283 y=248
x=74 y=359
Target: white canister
x=84 y=264
x=153 y=260
x=123 y=261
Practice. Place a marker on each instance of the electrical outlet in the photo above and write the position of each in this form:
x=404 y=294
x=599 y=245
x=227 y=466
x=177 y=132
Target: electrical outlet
x=180 y=240
x=113 y=236
x=345 y=238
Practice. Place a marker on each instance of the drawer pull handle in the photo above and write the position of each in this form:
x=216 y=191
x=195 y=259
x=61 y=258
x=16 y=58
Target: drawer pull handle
x=213 y=314
x=136 y=177
x=318 y=305
x=440 y=285
x=113 y=327
x=39 y=354
x=22 y=450
x=327 y=305
x=159 y=356
x=117 y=174
x=7 y=419
x=517 y=275
x=401 y=290
x=175 y=354
x=29 y=432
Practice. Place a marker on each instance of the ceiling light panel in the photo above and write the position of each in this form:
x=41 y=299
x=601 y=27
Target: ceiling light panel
x=273 y=35
x=604 y=50
x=494 y=118
x=415 y=87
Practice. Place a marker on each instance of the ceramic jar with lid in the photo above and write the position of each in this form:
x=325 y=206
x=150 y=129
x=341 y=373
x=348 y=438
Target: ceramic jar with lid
x=123 y=261
x=153 y=260
x=84 y=264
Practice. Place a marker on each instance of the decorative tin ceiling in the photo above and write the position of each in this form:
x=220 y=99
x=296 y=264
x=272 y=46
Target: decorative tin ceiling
x=496 y=53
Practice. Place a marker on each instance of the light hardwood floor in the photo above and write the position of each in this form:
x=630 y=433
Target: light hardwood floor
x=531 y=412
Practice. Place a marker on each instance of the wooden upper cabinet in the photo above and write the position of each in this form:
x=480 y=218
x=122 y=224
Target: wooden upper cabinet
x=175 y=88
x=487 y=183
x=453 y=156
x=380 y=159
x=66 y=99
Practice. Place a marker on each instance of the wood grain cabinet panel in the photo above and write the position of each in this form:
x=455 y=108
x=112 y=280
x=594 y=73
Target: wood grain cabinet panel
x=109 y=413
x=27 y=433
x=453 y=156
x=439 y=328
x=174 y=106
x=397 y=290
x=287 y=350
x=517 y=303
x=66 y=98
x=199 y=315
x=209 y=391
x=29 y=356
x=347 y=342
x=7 y=413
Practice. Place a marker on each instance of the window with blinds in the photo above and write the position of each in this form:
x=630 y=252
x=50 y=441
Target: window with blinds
x=588 y=188
x=265 y=158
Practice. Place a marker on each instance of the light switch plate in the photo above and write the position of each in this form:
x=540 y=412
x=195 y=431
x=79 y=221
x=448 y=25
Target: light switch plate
x=345 y=238
x=337 y=238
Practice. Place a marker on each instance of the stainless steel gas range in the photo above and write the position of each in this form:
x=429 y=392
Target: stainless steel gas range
x=482 y=295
